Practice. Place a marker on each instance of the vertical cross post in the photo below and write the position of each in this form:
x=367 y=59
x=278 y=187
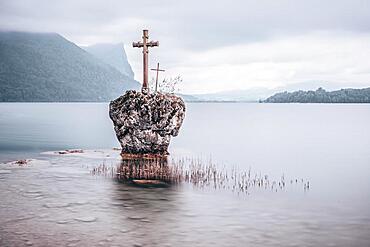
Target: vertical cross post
x=145 y=44
x=156 y=79
x=145 y=59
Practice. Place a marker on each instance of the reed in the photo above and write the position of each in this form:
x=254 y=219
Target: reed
x=194 y=171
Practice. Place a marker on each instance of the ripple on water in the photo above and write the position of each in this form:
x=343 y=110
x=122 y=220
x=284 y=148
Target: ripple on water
x=190 y=215
x=72 y=244
x=56 y=205
x=44 y=215
x=34 y=191
x=63 y=222
x=5 y=171
x=86 y=219
x=33 y=194
x=73 y=240
x=29 y=243
x=72 y=210
x=23 y=218
x=136 y=217
x=79 y=203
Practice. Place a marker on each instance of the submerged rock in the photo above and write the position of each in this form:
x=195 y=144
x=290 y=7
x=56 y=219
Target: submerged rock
x=144 y=123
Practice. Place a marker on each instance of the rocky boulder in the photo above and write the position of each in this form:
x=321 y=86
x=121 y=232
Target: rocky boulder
x=144 y=123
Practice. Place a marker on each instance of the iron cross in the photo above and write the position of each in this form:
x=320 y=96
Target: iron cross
x=156 y=79
x=145 y=44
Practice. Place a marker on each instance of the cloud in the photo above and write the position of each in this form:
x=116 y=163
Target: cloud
x=216 y=44
x=196 y=25
x=317 y=56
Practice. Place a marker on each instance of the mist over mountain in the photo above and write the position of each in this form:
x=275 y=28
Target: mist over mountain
x=112 y=54
x=261 y=93
x=248 y=95
x=48 y=67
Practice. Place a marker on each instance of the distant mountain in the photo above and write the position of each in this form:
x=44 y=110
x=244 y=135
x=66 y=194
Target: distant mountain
x=112 y=54
x=188 y=97
x=249 y=95
x=260 y=93
x=47 y=67
x=321 y=96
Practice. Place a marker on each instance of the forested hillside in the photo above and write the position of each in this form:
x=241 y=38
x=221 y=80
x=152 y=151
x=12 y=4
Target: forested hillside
x=321 y=96
x=47 y=67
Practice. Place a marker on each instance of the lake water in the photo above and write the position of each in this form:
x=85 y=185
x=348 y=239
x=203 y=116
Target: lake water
x=58 y=202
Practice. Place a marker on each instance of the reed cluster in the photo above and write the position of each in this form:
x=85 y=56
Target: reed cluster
x=195 y=171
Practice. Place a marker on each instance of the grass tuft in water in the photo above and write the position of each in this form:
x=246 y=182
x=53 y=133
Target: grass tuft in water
x=194 y=171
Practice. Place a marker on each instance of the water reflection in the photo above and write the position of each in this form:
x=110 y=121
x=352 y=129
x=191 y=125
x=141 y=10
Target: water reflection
x=144 y=194
x=144 y=168
x=147 y=172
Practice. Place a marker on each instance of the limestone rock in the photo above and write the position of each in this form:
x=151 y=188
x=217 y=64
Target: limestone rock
x=144 y=123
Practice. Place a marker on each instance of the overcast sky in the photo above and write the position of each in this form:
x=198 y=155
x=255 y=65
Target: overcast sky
x=218 y=45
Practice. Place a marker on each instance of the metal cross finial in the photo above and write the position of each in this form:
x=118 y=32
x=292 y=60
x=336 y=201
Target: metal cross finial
x=156 y=79
x=145 y=44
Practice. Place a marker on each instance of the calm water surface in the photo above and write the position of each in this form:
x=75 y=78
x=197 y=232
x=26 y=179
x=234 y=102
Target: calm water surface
x=58 y=202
